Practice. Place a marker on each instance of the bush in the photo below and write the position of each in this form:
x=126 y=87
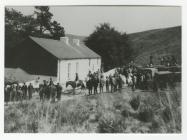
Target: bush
x=135 y=102
x=117 y=105
x=125 y=113
x=166 y=115
x=146 y=114
x=111 y=124
x=155 y=126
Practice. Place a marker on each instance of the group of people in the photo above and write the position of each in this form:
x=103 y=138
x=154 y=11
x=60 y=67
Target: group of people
x=50 y=91
x=97 y=80
x=15 y=92
x=47 y=91
x=168 y=60
x=132 y=77
x=136 y=78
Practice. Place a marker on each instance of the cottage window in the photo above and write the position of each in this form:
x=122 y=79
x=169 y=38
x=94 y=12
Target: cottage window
x=77 y=67
x=69 y=70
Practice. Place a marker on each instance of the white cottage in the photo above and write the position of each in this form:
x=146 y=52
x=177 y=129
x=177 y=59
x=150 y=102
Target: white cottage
x=60 y=58
x=83 y=61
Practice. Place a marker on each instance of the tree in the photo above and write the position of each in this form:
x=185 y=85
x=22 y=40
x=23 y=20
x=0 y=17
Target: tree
x=56 y=30
x=113 y=46
x=17 y=22
x=43 y=18
x=18 y=27
x=45 y=23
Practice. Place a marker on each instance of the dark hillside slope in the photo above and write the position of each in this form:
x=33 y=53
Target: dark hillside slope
x=157 y=43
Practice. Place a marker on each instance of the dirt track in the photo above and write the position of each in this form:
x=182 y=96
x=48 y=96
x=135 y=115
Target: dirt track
x=79 y=94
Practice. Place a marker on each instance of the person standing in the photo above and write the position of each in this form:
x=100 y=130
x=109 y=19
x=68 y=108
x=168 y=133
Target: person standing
x=107 y=84
x=96 y=81
x=7 y=93
x=24 y=90
x=59 y=91
x=162 y=61
x=52 y=91
x=13 y=92
x=101 y=83
x=45 y=90
x=89 y=84
x=114 y=81
x=173 y=60
x=111 y=83
x=30 y=91
x=19 y=90
x=120 y=83
x=90 y=74
x=41 y=92
x=20 y=94
x=133 y=82
x=76 y=77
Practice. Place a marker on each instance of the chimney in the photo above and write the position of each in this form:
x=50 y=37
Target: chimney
x=65 y=40
x=76 y=41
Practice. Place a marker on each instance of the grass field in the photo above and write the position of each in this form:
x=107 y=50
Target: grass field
x=120 y=112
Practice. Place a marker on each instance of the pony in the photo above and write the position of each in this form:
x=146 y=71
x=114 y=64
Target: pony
x=76 y=84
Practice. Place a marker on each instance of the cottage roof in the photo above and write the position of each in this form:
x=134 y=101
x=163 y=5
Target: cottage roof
x=61 y=50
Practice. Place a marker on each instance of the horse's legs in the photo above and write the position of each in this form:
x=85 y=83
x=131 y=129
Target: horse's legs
x=96 y=90
x=91 y=90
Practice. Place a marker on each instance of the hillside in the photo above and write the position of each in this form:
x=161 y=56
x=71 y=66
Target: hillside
x=157 y=43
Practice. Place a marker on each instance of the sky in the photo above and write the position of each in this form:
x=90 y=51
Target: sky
x=82 y=20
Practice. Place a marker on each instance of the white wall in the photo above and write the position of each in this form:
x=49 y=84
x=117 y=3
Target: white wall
x=84 y=65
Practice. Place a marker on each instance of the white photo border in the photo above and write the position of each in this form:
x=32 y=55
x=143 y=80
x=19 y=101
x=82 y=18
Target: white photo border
x=50 y=136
